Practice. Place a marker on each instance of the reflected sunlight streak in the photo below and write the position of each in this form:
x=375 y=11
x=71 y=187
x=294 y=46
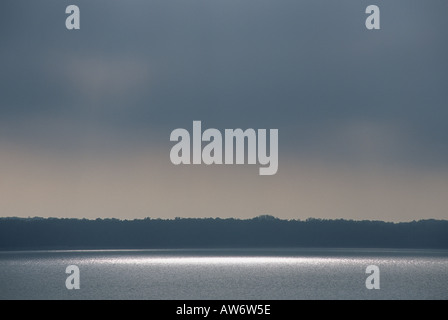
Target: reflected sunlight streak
x=220 y=260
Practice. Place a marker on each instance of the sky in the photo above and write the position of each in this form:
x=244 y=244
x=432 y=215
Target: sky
x=86 y=115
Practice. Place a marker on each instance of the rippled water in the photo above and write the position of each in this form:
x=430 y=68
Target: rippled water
x=225 y=274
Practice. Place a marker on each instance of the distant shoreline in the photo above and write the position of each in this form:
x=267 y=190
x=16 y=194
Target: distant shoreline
x=23 y=234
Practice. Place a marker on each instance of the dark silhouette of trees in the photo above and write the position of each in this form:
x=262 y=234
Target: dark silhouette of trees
x=263 y=231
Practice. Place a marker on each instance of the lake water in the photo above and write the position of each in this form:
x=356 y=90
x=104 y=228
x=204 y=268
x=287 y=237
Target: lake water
x=225 y=274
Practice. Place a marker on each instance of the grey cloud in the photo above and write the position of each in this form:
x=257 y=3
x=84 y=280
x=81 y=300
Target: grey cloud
x=85 y=116
x=309 y=68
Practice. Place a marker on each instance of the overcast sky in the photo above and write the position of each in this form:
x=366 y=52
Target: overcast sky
x=86 y=115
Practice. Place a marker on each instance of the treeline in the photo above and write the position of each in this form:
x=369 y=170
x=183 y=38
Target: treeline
x=263 y=231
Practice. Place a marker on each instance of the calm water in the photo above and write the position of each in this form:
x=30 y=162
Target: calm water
x=225 y=274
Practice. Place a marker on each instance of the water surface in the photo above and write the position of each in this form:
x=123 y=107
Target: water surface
x=225 y=274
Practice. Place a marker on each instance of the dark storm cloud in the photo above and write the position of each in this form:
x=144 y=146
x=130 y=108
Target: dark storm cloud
x=309 y=68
